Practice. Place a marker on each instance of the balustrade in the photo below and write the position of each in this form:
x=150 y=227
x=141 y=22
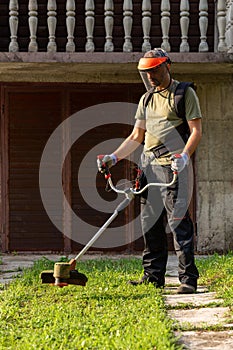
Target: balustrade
x=229 y=25
x=203 y=24
x=146 y=24
x=165 y=24
x=108 y=21
x=70 y=25
x=13 y=22
x=223 y=20
x=33 y=23
x=184 y=25
x=127 y=23
x=52 y=23
x=90 y=22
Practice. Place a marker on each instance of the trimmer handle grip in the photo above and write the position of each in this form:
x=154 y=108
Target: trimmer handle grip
x=102 y=167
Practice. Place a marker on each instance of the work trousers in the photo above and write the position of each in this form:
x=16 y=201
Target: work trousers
x=166 y=210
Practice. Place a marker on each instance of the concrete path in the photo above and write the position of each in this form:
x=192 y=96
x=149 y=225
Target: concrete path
x=192 y=313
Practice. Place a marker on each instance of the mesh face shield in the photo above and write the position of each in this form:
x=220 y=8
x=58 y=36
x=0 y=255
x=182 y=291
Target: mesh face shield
x=146 y=64
x=145 y=80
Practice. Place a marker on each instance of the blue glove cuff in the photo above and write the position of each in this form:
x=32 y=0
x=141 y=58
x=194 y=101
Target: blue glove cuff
x=114 y=158
x=185 y=156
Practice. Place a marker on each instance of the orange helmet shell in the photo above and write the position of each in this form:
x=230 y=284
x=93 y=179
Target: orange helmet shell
x=146 y=63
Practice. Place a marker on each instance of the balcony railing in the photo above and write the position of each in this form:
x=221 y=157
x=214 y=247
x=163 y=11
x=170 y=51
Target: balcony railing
x=126 y=26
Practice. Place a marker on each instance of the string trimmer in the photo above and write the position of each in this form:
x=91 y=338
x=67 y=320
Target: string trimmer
x=64 y=273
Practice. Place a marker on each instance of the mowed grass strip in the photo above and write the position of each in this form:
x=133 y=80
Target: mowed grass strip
x=107 y=314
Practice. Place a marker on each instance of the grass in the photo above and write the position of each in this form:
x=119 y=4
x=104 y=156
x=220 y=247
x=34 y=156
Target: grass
x=107 y=314
x=216 y=273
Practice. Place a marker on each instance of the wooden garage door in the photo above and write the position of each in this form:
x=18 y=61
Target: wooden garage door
x=31 y=114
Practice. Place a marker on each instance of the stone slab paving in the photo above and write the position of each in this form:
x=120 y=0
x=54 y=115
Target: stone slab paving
x=201 y=317
x=201 y=298
x=199 y=311
x=207 y=340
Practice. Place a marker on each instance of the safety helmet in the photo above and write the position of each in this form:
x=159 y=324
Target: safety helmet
x=152 y=59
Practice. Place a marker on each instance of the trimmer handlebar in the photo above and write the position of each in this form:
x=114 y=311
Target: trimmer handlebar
x=133 y=191
x=129 y=194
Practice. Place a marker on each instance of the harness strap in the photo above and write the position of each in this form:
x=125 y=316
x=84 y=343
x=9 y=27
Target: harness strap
x=159 y=151
x=173 y=142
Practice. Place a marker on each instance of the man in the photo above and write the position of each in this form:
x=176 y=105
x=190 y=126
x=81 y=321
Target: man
x=167 y=148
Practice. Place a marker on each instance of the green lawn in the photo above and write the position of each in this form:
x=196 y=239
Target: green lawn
x=216 y=273
x=107 y=314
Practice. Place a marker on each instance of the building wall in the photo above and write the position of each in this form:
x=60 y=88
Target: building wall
x=214 y=172
x=214 y=157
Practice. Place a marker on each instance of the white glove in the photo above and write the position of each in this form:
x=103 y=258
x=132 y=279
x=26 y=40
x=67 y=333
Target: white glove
x=106 y=161
x=179 y=161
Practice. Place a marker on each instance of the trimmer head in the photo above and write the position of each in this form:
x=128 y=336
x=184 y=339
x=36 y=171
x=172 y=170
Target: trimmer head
x=75 y=278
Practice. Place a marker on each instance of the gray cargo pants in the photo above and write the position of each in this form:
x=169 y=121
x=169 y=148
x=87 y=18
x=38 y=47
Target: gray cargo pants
x=164 y=209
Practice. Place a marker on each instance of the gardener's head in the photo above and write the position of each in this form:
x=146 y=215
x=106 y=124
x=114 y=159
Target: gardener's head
x=154 y=68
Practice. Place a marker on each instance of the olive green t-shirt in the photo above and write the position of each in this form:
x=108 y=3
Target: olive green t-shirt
x=161 y=118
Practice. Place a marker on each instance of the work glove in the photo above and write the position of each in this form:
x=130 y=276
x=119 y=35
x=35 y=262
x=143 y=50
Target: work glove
x=105 y=162
x=179 y=161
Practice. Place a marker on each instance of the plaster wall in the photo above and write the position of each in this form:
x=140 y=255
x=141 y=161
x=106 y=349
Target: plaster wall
x=214 y=166
x=213 y=162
